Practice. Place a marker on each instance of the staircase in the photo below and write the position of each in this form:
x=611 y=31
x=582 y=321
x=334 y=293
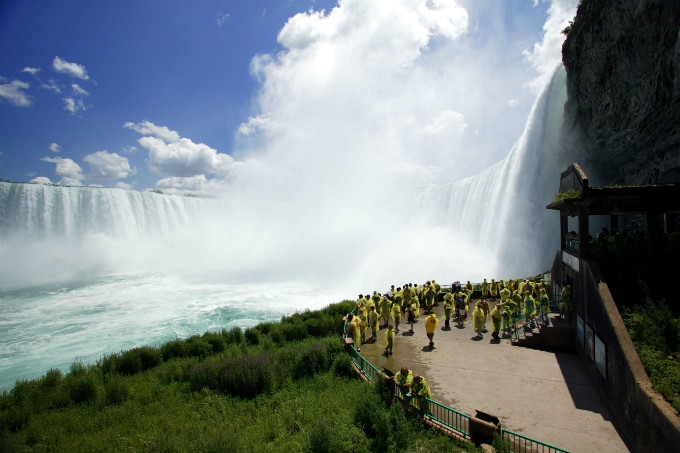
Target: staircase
x=550 y=333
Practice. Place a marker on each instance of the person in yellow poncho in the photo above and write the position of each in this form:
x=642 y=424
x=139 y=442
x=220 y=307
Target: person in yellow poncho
x=385 y=309
x=420 y=390
x=403 y=380
x=429 y=297
x=396 y=316
x=431 y=327
x=495 y=322
x=493 y=289
x=485 y=289
x=373 y=321
x=478 y=320
x=389 y=340
x=448 y=308
x=353 y=330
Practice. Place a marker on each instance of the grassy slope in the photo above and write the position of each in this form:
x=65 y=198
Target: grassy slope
x=273 y=388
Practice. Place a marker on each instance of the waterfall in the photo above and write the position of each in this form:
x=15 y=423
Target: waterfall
x=502 y=209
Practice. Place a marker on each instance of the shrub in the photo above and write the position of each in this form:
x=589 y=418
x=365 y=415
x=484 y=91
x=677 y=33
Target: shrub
x=294 y=331
x=264 y=327
x=109 y=363
x=252 y=336
x=276 y=334
x=321 y=437
x=197 y=347
x=246 y=376
x=78 y=369
x=82 y=388
x=311 y=359
x=51 y=379
x=216 y=341
x=116 y=391
x=500 y=445
x=321 y=326
x=173 y=349
x=342 y=366
x=138 y=359
x=234 y=335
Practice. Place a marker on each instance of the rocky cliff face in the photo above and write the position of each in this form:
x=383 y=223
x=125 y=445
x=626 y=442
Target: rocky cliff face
x=622 y=116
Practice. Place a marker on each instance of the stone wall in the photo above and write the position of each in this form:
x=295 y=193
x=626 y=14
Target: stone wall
x=622 y=116
x=645 y=420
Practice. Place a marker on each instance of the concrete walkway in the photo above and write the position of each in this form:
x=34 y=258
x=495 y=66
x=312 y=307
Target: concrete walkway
x=543 y=395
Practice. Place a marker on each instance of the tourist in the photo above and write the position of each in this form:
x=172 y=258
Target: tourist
x=495 y=322
x=389 y=340
x=429 y=297
x=431 y=327
x=478 y=320
x=412 y=307
x=363 y=325
x=448 y=307
x=485 y=289
x=460 y=307
x=420 y=390
x=373 y=321
x=396 y=315
x=493 y=289
x=403 y=380
x=529 y=307
x=385 y=309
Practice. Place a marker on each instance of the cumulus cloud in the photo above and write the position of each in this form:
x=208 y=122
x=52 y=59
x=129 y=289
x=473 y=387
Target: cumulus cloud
x=123 y=185
x=108 y=165
x=55 y=148
x=30 y=70
x=70 y=172
x=40 y=180
x=15 y=93
x=185 y=158
x=148 y=128
x=78 y=90
x=73 y=105
x=175 y=185
x=73 y=69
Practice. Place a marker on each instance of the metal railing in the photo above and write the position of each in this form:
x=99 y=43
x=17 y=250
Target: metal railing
x=523 y=444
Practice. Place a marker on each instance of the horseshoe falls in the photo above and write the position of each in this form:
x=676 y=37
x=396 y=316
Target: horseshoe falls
x=90 y=271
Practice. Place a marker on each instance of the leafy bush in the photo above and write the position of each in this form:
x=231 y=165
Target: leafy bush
x=295 y=331
x=109 y=363
x=216 y=341
x=252 y=336
x=342 y=366
x=234 y=335
x=198 y=347
x=173 y=349
x=51 y=379
x=136 y=360
x=82 y=388
x=243 y=376
x=311 y=360
x=116 y=391
x=78 y=369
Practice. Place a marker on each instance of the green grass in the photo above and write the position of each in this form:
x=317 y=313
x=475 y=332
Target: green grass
x=655 y=331
x=284 y=387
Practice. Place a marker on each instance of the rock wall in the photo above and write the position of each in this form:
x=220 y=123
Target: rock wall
x=622 y=116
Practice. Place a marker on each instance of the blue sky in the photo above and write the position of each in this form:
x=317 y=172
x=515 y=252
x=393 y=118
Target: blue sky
x=189 y=97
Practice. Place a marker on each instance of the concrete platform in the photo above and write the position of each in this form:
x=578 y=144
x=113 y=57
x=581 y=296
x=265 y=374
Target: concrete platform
x=543 y=395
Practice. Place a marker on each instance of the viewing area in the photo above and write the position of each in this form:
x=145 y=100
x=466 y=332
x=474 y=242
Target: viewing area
x=540 y=401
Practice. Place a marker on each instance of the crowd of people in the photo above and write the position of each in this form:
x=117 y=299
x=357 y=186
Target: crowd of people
x=503 y=302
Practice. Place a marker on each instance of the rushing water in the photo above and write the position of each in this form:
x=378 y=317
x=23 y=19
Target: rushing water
x=90 y=271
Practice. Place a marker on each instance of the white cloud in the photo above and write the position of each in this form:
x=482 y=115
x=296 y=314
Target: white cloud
x=449 y=121
x=72 y=69
x=131 y=149
x=123 y=185
x=40 y=180
x=185 y=158
x=222 y=19
x=30 y=70
x=14 y=93
x=108 y=165
x=55 y=148
x=78 y=90
x=253 y=125
x=70 y=172
x=513 y=102
x=148 y=128
x=546 y=55
x=74 y=105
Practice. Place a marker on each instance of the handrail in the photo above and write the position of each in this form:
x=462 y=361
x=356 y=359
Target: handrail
x=451 y=418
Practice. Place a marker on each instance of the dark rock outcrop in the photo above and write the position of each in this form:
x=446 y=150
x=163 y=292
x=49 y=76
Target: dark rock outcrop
x=622 y=116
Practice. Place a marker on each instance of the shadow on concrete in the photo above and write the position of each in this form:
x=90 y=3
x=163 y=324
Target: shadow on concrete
x=427 y=348
x=476 y=338
x=495 y=341
x=581 y=388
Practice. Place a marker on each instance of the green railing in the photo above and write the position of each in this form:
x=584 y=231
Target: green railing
x=523 y=444
x=451 y=418
x=448 y=417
